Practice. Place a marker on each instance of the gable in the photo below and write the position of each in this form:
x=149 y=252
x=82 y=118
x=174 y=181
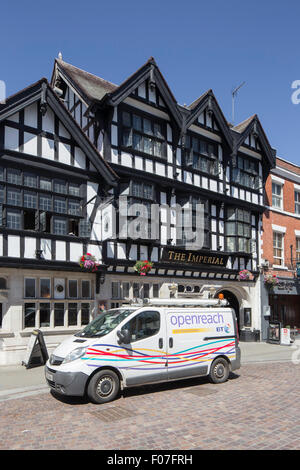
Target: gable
x=40 y=126
x=251 y=134
x=150 y=85
x=206 y=112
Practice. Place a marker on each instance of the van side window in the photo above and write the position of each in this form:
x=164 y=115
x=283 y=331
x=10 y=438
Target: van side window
x=143 y=325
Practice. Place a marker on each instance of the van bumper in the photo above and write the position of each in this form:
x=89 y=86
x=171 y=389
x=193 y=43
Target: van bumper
x=66 y=383
x=236 y=363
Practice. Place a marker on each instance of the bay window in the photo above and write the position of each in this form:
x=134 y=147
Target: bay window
x=238 y=230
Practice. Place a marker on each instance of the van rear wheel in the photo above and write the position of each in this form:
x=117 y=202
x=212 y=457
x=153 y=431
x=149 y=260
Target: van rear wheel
x=219 y=371
x=103 y=386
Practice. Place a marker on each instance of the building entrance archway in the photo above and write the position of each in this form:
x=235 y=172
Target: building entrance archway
x=233 y=303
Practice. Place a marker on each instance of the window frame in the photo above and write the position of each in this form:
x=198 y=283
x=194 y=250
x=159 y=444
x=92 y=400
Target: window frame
x=133 y=131
x=276 y=236
x=277 y=197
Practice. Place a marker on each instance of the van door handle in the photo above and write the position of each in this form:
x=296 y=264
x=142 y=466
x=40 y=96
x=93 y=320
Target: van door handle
x=160 y=343
x=171 y=342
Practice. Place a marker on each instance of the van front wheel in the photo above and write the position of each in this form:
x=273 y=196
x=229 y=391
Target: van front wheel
x=103 y=387
x=219 y=371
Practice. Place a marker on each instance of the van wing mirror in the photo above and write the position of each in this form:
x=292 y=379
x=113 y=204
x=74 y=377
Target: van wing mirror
x=124 y=336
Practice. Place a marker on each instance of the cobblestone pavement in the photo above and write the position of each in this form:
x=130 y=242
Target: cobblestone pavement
x=258 y=408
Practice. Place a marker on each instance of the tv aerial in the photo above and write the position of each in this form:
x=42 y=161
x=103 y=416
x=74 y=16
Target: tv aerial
x=234 y=93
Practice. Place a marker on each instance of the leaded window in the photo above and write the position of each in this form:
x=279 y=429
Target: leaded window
x=246 y=172
x=238 y=231
x=143 y=134
x=201 y=155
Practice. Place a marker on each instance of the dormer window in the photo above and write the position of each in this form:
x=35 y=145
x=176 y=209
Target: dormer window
x=246 y=173
x=143 y=134
x=201 y=155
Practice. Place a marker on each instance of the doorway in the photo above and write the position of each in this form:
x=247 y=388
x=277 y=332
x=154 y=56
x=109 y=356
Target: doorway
x=233 y=303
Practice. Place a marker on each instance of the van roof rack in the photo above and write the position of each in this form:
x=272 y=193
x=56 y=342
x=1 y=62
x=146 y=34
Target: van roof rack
x=187 y=301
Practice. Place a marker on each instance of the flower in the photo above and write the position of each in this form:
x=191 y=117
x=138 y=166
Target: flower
x=88 y=262
x=143 y=267
x=271 y=280
x=244 y=275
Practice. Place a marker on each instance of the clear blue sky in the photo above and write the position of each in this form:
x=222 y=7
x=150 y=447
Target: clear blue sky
x=197 y=44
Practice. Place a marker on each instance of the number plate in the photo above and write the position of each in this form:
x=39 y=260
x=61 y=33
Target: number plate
x=49 y=376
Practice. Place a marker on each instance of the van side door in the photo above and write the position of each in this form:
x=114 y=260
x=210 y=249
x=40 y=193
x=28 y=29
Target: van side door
x=145 y=357
x=186 y=355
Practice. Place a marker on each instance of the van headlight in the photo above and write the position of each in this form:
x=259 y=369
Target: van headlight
x=75 y=354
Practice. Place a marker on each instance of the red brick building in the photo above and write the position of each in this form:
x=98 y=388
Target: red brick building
x=281 y=242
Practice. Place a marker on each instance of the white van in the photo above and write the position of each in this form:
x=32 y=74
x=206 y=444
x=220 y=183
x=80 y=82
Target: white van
x=165 y=339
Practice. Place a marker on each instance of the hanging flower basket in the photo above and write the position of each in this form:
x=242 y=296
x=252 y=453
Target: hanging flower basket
x=271 y=280
x=245 y=275
x=88 y=262
x=143 y=267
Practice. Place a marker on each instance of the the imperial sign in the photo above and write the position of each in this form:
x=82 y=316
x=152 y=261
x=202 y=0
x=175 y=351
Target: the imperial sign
x=197 y=258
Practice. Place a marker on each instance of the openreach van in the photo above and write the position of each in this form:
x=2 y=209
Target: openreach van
x=158 y=341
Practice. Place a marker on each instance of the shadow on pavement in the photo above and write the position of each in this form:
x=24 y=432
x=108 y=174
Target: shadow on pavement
x=148 y=389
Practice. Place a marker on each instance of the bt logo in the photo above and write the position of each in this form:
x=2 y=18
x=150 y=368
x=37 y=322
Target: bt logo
x=296 y=94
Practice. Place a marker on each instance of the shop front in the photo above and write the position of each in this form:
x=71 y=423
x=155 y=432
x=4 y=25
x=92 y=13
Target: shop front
x=284 y=301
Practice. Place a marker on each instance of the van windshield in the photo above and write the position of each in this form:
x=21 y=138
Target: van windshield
x=105 y=323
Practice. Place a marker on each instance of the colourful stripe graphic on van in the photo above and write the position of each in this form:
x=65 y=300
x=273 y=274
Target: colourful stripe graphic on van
x=191 y=356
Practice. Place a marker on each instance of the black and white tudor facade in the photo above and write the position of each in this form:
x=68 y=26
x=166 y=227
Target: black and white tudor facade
x=70 y=150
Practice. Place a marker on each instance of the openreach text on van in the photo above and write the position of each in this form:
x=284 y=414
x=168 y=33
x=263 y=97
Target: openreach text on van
x=179 y=320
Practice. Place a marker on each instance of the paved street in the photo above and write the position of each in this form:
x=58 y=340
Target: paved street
x=258 y=408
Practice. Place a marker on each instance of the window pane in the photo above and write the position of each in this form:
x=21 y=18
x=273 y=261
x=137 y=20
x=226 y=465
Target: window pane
x=137 y=142
x=60 y=205
x=155 y=290
x=136 y=290
x=13 y=220
x=60 y=226
x=86 y=289
x=29 y=288
x=230 y=244
x=30 y=200
x=2 y=192
x=45 y=288
x=45 y=203
x=148 y=145
x=74 y=189
x=126 y=119
x=146 y=291
x=44 y=314
x=74 y=208
x=60 y=186
x=30 y=180
x=72 y=314
x=14 y=197
x=144 y=325
x=59 y=311
x=125 y=287
x=230 y=228
x=137 y=122
x=14 y=176
x=45 y=183
x=147 y=127
x=115 y=290
x=29 y=315
x=73 y=289
x=85 y=314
